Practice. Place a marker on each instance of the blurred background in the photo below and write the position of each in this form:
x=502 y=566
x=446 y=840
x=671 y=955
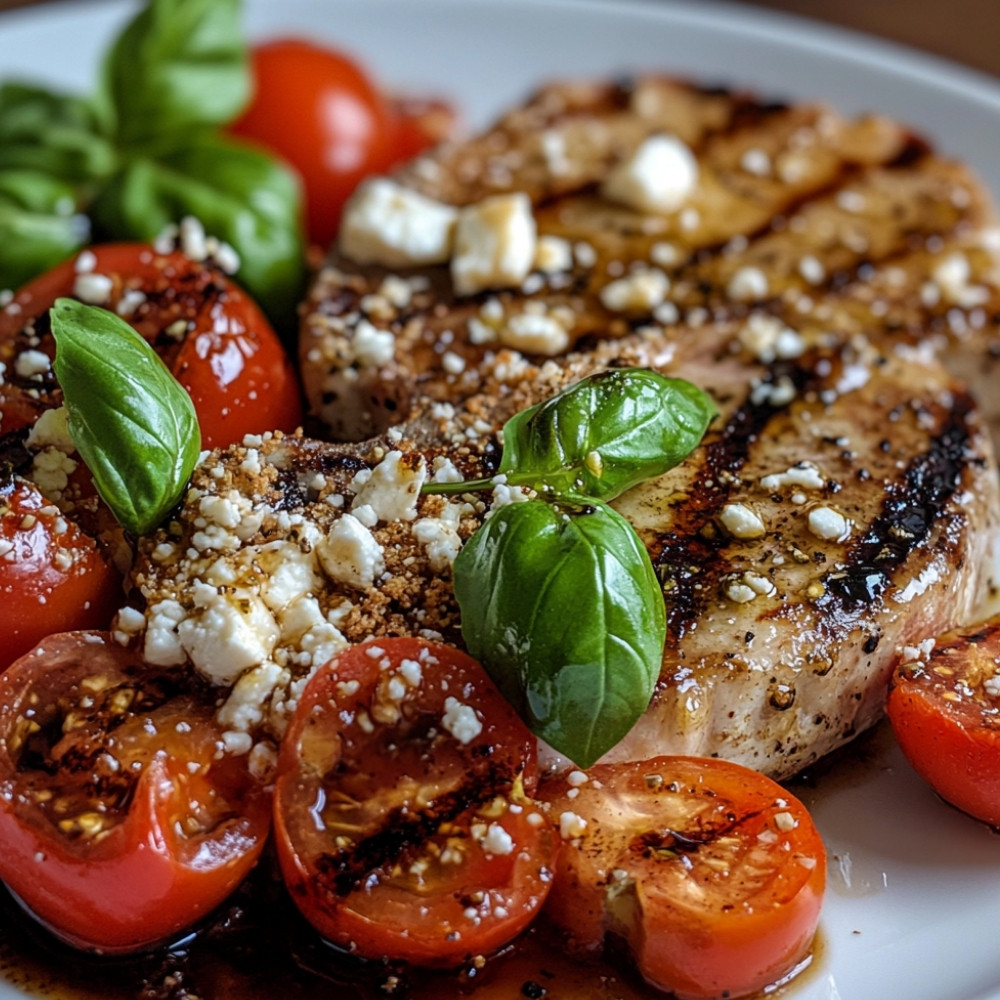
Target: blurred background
x=965 y=31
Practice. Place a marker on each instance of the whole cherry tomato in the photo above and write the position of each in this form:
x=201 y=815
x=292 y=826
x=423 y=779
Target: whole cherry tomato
x=712 y=874
x=211 y=335
x=402 y=821
x=945 y=711
x=122 y=819
x=323 y=114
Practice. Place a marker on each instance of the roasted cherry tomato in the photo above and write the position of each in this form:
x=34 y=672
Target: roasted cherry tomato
x=401 y=818
x=122 y=821
x=321 y=112
x=211 y=335
x=945 y=711
x=53 y=576
x=712 y=874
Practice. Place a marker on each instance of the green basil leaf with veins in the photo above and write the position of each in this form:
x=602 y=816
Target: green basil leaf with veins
x=39 y=226
x=240 y=194
x=562 y=606
x=132 y=422
x=178 y=67
x=606 y=433
x=52 y=133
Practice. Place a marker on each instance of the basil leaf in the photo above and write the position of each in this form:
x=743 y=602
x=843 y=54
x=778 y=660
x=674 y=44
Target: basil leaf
x=56 y=134
x=606 y=433
x=132 y=422
x=563 y=608
x=179 y=66
x=240 y=194
x=39 y=225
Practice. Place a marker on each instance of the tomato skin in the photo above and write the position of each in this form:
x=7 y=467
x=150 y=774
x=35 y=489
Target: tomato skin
x=947 y=722
x=54 y=578
x=320 y=111
x=396 y=840
x=713 y=874
x=230 y=359
x=176 y=840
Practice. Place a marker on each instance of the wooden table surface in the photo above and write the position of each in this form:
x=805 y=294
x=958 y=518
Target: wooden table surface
x=965 y=31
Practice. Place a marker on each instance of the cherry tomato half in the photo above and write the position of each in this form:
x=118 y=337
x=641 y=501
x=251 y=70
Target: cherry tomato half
x=945 y=713
x=121 y=821
x=211 y=335
x=53 y=576
x=322 y=113
x=401 y=818
x=712 y=874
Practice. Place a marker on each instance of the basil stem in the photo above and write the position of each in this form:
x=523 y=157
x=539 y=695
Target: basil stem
x=601 y=436
x=562 y=607
x=133 y=424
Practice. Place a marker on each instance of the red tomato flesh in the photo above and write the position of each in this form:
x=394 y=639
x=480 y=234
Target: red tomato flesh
x=211 y=335
x=53 y=576
x=945 y=713
x=402 y=821
x=712 y=874
x=122 y=822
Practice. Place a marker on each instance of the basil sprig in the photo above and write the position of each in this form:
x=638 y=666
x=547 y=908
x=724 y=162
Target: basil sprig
x=133 y=424
x=144 y=150
x=559 y=599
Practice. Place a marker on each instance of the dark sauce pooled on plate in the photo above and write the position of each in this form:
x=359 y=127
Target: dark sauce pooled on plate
x=259 y=948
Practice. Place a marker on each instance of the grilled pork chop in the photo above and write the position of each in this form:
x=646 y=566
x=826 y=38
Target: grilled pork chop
x=793 y=209
x=839 y=509
x=807 y=271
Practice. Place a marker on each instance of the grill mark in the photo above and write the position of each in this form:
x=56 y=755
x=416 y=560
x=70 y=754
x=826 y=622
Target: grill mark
x=910 y=510
x=913 y=151
x=684 y=558
x=403 y=830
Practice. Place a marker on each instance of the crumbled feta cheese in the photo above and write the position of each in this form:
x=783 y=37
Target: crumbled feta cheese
x=51 y=469
x=659 y=176
x=247 y=702
x=803 y=474
x=756 y=161
x=639 y=292
x=440 y=535
x=571 y=825
x=828 y=523
x=350 y=554
x=535 y=334
x=32 y=363
x=391 y=489
x=94 y=289
x=461 y=720
x=226 y=633
x=553 y=254
x=388 y=224
x=494 y=244
x=741 y=521
x=372 y=347
x=497 y=841
x=162 y=645
x=768 y=339
x=748 y=284
x=812 y=270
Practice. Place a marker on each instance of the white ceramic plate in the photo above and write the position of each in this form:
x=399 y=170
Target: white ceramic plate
x=914 y=886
